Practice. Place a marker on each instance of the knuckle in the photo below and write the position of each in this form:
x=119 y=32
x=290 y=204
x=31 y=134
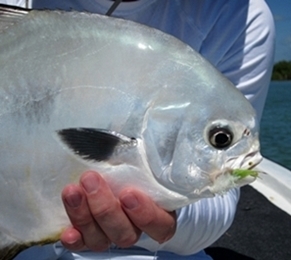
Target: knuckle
x=145 y=219
x=100 y=246
x=103 y=211
x=82 y=222
x=146 y=222
x=127 y=241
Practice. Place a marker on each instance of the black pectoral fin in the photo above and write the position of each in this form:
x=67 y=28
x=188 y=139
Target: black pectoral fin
x=93 y=144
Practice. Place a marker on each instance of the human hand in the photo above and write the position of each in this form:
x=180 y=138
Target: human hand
x=99 y=218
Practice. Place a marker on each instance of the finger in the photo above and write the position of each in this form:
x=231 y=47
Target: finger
x=79 y=213
x=71 y=238
x=147 y=216
x=107 y=211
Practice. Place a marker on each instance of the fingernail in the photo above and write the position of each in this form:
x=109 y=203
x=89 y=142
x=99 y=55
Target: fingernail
x=90 y=182
x=74 y=199
x=71 y=240
x=129 y=201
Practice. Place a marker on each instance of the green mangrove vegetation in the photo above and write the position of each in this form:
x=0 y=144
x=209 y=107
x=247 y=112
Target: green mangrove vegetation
x=282 y=70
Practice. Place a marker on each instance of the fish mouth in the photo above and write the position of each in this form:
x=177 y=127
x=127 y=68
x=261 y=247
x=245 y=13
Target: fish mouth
x=240 y=169
x=236 y=172
x=246 y=161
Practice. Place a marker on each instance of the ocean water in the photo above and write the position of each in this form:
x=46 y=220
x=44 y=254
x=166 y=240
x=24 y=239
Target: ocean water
x=275 y=133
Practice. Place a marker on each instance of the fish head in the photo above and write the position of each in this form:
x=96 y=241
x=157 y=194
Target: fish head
x=230 y=141
x=213 y=133
x=205 y=166
x=232 y=146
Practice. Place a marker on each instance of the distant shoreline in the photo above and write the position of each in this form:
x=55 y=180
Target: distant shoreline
x=281 y=80
x=282 y=71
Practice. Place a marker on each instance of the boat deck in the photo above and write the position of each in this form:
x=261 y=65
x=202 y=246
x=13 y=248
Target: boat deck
x=260 y=231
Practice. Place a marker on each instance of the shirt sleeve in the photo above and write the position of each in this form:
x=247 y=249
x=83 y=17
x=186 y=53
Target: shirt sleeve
x=14 y=2
x=198 y=225
x=248 y=62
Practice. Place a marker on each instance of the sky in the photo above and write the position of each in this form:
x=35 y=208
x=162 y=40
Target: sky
x=281 y=10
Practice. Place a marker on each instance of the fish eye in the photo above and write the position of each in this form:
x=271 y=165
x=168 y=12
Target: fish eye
x=220 y=137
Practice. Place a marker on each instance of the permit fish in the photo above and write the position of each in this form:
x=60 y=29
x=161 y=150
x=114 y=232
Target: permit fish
x=82 y=91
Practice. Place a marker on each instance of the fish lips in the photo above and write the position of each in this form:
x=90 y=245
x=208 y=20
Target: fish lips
x=245 y=161
x=225 y=179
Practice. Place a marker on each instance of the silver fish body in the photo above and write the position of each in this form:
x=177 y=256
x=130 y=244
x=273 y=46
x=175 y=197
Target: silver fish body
x=67 y=76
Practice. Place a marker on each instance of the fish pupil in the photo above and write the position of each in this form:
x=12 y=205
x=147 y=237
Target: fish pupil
x=220 y=137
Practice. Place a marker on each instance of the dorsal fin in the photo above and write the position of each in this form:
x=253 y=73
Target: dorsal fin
x=94 y=144
x=10 y=15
